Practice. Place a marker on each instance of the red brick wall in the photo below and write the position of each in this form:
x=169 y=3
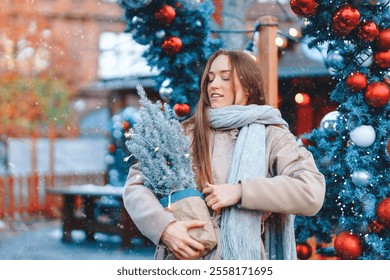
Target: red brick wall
x=77 y=25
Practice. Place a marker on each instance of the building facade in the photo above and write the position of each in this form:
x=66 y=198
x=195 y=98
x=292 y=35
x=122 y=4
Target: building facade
x=104 y=66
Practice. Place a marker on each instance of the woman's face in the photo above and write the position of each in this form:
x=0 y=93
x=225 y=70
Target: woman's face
x=220 y=87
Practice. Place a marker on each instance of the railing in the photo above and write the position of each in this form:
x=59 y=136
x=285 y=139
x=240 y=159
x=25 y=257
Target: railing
x=23 y=197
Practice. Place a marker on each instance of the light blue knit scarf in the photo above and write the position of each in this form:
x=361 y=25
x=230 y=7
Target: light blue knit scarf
x=240 y=228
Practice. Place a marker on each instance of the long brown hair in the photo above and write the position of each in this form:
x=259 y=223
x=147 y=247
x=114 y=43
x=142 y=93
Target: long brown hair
x=249 y=75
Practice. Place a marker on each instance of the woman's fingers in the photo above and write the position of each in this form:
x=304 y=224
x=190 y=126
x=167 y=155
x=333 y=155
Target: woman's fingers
x=189 y=253
x=224 y=195
x=180 y=243
x=194 y=223
x=209 y=189
x=191 y=241
x=211 y=202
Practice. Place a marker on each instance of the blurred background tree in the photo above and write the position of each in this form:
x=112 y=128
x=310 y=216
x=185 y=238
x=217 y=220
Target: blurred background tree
x=35 y=85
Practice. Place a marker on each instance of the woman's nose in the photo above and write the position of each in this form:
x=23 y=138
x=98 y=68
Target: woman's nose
x=215 y=83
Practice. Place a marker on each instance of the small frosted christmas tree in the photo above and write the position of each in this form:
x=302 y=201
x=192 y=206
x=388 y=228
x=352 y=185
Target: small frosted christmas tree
x=158 y=141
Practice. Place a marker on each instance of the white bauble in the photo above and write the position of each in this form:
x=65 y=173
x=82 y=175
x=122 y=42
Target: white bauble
x=361 y=177
x=363 y=135
x=109 y=159
x=335 y=61
x=329 y=121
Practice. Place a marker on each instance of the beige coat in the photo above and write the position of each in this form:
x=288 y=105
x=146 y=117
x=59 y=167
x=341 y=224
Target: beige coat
x=293 y=185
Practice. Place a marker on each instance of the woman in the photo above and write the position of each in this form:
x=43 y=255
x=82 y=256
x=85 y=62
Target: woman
x=248 y=165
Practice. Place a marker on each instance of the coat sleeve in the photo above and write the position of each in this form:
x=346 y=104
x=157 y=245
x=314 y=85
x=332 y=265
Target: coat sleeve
x=144 y=208
x=294 y=185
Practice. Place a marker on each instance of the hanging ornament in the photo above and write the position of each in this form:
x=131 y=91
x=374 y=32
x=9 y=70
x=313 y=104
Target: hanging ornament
x=303 y=8
x=368 y=31
x=329 y=121
x=377 y=2
x=348 y=246
x=361 y=178
x=165 y=92
x=335 y=61
x=181 y=110
x=345 y=19
x=386 y=78
x=137 y=21
x=111 y=148
x=388 y=148
x=136 y=4
x=363 y=136
x=304 y=251
x=383 y=212
x=382 y=59
x=383 y=41
x=125 y=125
x=356 y=81
x=364 y=58
x=165 y=15
x=160 y=34
x=375 y=227
x=377 y=94
x=117 y=134
x=109 y=159
x=171 y=45
x=141 y=39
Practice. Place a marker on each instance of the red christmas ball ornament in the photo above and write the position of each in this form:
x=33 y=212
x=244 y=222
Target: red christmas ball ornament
x=304 y=251
x=368 y=31
x=383 y=212
x=375 y=227
x=111 y=148
x=348 y=246
x=125 y=126
x=383 y=40
x=356 y=81
x=345 y=19
x=303 y=8
x=382 y=59
x=377 y=94
x=181 y=110
x=388 y=147
x=165 y=15
x=172 y=45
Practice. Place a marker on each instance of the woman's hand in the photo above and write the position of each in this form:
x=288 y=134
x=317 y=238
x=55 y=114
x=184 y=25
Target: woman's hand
x=179 y=242
x=219 y=196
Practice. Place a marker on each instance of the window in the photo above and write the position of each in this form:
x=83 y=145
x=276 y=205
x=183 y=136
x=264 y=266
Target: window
x=121 y=56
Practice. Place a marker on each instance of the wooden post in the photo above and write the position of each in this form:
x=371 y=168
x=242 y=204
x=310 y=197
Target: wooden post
x=2 y=198
x=49 y=182
x=11 y=206
x=33 y=193
x=268 y=58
